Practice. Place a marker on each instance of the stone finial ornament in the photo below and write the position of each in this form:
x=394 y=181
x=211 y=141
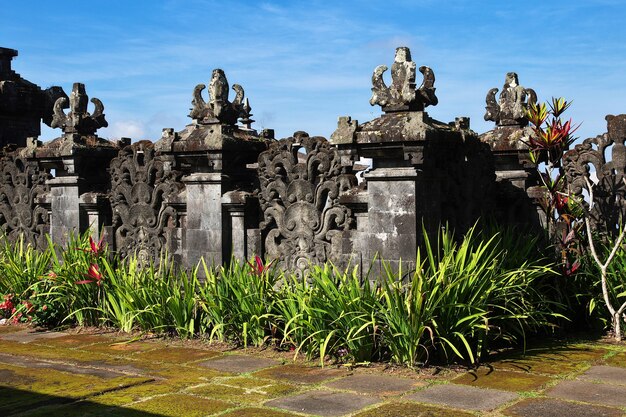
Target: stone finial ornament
x=219 y=109
x=402 y=95
x=510 y=109
x=78 y=120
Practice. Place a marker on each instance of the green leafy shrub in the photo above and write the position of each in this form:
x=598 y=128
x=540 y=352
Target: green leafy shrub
x=21 y=266
x=332 y=312
x=463 y=296
x=238 y=301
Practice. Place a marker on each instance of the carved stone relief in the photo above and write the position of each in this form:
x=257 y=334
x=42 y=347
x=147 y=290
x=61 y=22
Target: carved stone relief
x=22 y=191
x=142 y=184
x=299 y=199
x=606 y=155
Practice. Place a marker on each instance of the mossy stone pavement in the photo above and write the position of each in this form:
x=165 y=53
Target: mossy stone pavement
x=78 y=374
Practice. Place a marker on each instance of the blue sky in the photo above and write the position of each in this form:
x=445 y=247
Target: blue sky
x=304 y=64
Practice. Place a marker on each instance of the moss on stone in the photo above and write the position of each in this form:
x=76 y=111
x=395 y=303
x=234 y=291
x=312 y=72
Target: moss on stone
x=84 y=409
x=59 y=353
x=10 y=329
x=136 y=393
x=32 y=385
x=176 y=355
x=300 y=374
x=257 y=412
x=181 y=375
x=411 y=410
x=505 y=380
x=243 y=390
x=122 y=348
x=177 y=405
x=75 y=340
x=545 y=366
x=617 y=360
x=551 y=361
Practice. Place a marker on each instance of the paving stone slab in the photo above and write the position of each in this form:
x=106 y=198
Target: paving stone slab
x=8 y=328
x=505 y=380
x=411 y=410
x=323 y=403
x=28 y=336
x=610 y=374
x=24 y=389
x=59 y=366
x=382 y=385
x=76 y=340
x=121 y=348
x=301 y=374
x=178 y=355
x=463 y=397
x=548 y=407
x=239 y=363
x=602 y=394
x=179 y=405
x=538 y=365
x=243 y=390
x=257 y=412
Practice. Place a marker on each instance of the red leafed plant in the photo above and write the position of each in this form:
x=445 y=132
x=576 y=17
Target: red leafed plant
x=551 y=138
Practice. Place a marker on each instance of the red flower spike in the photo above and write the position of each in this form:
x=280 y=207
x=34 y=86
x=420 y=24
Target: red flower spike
x=95 y=248
x=94 y=274
x=258 y=268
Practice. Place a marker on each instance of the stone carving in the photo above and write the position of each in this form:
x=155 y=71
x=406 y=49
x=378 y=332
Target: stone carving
x=142 y=184
x=609 y=191
x=402 y=95
x=510 y=109
x=23 y=189
x=219 y=109
x=299 y=199
x=78 y=120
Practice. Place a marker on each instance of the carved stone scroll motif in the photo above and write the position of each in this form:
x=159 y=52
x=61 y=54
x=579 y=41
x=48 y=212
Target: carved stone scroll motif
x=78 y=120
x=142 y=184
x=219 y=109
x=606 y=154
x=510 y=109
x=402 y=94
x=23 y=189
x=299 y=198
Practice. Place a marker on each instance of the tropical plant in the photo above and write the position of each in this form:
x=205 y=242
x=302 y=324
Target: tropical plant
x=238 y=302
x=331 y=312
x=461 y=297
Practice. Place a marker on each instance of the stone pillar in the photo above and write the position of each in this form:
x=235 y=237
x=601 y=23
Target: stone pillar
x=92 y=213
x=203 y=237
x=393 y=214
x=235 y=204
x=65 y=208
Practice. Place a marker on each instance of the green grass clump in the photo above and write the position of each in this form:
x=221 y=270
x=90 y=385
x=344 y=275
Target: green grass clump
x=463 y=296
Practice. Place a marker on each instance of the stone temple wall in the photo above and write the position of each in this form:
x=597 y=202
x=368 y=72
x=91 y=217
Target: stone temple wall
x=218 y=188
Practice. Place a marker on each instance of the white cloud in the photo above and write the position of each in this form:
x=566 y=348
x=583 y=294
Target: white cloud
x=124 y=129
